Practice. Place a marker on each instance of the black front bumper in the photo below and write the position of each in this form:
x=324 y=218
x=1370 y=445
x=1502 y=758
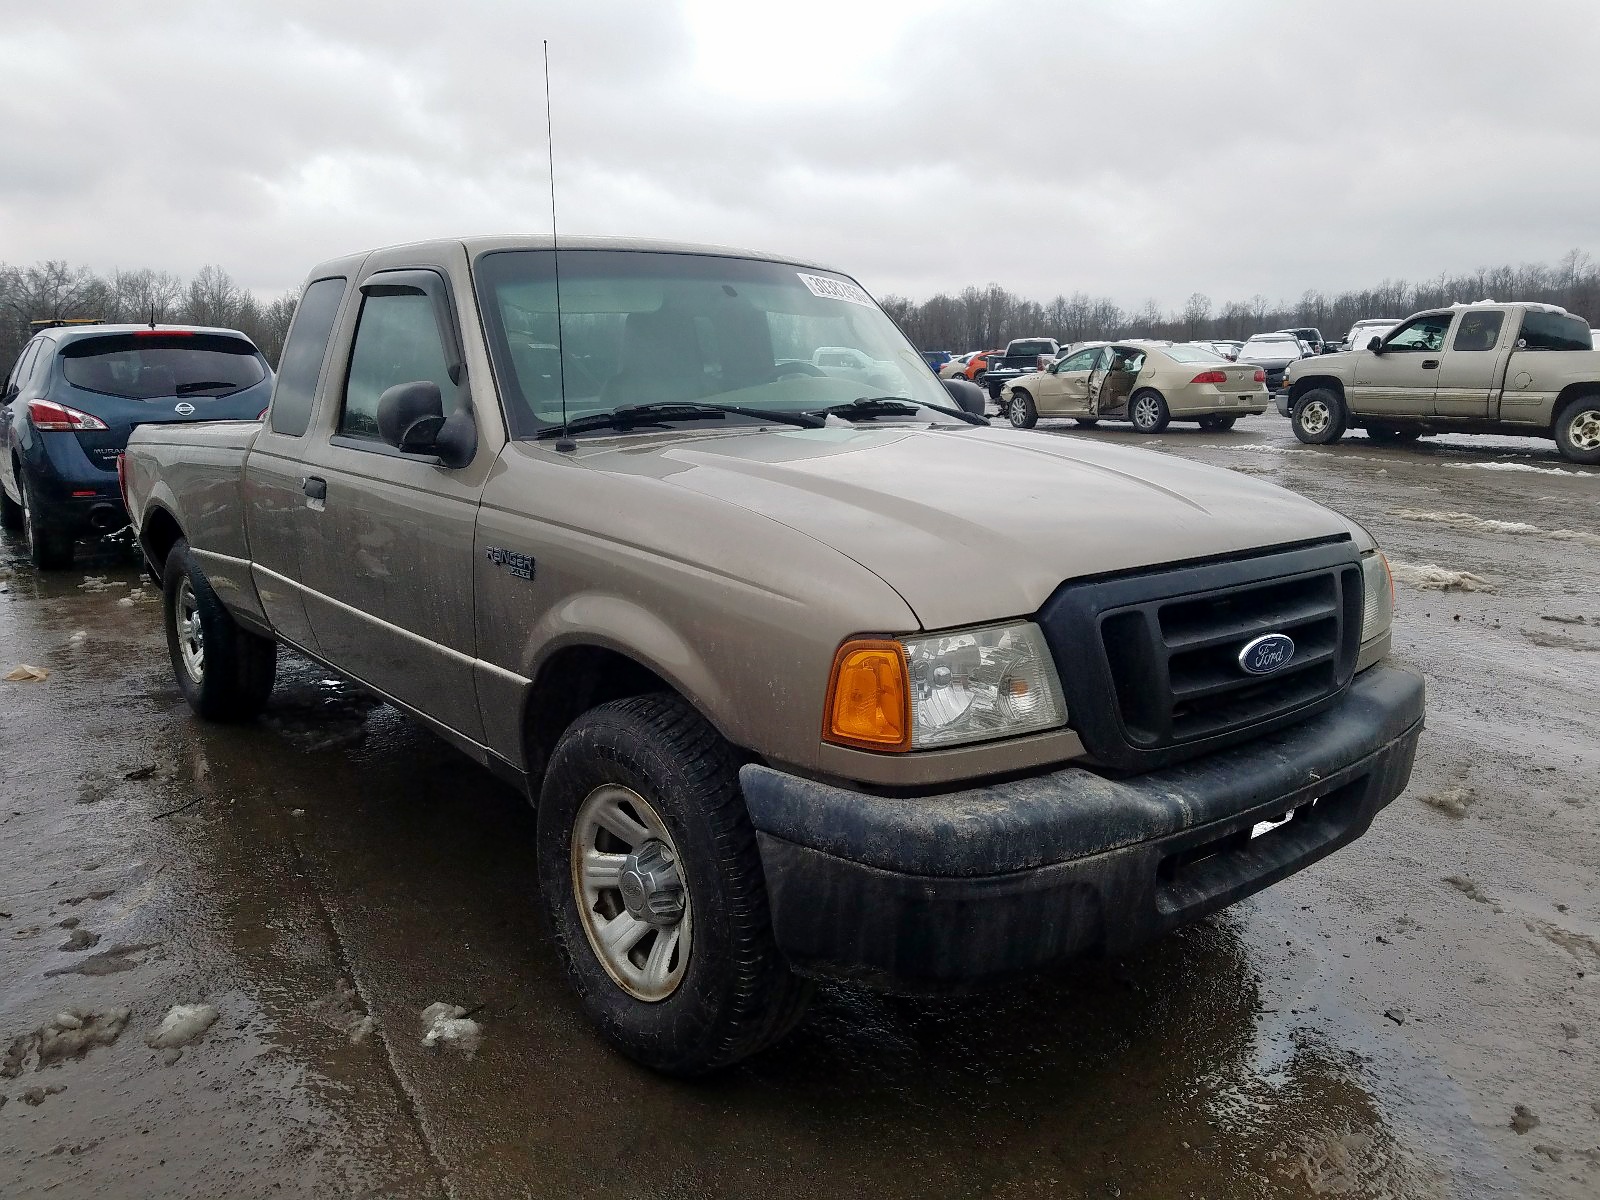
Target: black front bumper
x=941 y=892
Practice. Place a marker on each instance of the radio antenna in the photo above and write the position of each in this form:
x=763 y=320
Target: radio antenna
x=564 y=443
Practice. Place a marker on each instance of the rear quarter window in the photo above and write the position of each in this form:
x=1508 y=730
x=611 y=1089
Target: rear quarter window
x=159 y=365
x=300 y=365
x=1555 y=331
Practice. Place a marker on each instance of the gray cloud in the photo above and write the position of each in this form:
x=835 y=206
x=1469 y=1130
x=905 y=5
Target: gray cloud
x=1137 y=149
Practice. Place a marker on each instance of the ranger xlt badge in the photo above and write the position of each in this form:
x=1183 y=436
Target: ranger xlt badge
x=1266 y=654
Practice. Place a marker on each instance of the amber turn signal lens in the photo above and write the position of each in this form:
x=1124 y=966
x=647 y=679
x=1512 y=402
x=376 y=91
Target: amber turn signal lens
x=869 y=697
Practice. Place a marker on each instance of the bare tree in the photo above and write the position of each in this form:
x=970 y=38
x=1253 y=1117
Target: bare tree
x=1197 y=314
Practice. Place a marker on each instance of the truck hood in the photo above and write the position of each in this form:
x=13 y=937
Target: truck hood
x=972 y=524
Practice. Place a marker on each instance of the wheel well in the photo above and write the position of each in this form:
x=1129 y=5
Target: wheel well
x=574 y=680
x=159 y=531
x=1570 y=393
x=1302 y=386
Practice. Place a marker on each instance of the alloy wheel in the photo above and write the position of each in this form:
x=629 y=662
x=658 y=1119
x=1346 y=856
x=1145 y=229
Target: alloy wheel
x=1314 y=417
x=630 y=892
x=191 y=637
x=1145 y=413
x=1584 y=431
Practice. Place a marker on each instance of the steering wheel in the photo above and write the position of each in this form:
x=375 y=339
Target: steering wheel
x=779 y=370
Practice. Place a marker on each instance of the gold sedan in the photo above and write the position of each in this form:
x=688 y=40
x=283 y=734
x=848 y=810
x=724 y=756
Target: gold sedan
x=1148 y=385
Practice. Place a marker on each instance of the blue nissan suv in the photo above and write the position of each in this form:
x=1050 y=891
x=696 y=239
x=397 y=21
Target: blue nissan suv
x=74 y=396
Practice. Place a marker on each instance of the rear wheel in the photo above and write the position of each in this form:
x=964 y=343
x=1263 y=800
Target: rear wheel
x=1318 y=417
x=1022 y=413
x=225 y=672
x=652 y=885
x=10 y=510
x=1216 y=423
x=50 y=549
x=1147 y=409
x=1578 y=430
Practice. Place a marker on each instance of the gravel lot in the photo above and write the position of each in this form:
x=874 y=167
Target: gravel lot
x=1414 y=1016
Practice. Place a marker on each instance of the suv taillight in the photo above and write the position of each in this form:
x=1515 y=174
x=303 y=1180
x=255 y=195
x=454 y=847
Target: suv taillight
x=1260 y=376
x=1210 y=377
x=49 y=417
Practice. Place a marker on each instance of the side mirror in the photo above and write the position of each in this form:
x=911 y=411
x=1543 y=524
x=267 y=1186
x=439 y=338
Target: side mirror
x=968 y=396
x=410 y=416
x=1375 y=345
x=411 y=419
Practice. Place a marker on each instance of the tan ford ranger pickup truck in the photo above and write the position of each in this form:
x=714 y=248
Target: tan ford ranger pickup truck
x=1471 y=368
x=807 y=676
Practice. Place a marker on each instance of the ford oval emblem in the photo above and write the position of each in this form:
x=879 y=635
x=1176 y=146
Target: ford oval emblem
x=183 y=408
x=1266 y=654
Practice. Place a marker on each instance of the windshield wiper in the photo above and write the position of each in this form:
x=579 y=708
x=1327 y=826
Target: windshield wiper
x=660 y=413
x=867 y=407
x=203 y=384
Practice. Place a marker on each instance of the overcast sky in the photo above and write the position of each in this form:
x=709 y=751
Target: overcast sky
x=1135 y=148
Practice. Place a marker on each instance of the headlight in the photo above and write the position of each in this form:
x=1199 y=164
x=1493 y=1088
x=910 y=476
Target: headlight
x=1377 y=612
x=920 y=693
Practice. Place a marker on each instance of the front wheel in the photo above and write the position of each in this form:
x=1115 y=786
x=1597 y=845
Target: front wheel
x=1216 y=423
x=224 y=672
x=652 y=885
x=1578 y=430
x=1318 y=417
x=1022 y=413
x=49 y=549
x=1148 y=411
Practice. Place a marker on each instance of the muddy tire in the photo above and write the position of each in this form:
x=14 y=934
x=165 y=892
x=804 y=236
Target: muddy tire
x=10 y=512
x=1318 y=417
x=1216 y=423
x=652 y=886
x=225 y=672
x=1087 y=422
x=1021 y=412
x=48 y=549
x=1147 y=409
x=1578 y=430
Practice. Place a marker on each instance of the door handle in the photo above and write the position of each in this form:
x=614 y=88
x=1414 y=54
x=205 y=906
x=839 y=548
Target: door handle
x=1430 y=364
x=316 y=491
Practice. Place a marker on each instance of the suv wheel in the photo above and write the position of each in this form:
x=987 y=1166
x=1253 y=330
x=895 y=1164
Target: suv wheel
x=652 y=884
x=1147 y=409
x=1216 y=422
x=50 y=549
x=1318 y=417
x=1022 y=413
x=10 y=510
x=1578 y=430
x=224 y=672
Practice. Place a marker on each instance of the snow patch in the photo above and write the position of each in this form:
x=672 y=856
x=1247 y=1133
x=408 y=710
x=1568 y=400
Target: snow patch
x=449 y=1025
x=1514 y=466
x=1468 y=523
x=1430 y=578
x=182 y=1024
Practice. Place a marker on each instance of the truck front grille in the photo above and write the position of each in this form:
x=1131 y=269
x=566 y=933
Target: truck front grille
x=1150 y=662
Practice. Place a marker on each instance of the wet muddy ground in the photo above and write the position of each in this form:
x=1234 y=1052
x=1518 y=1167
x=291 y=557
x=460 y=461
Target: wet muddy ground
x=1418 y=1015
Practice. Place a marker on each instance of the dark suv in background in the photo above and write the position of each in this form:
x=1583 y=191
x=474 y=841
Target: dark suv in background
x=77 y=392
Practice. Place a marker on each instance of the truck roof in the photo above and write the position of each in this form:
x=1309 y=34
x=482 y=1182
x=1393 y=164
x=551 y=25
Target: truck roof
x=477 y=245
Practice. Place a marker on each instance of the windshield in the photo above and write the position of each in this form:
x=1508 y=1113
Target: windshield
x=640 y=327
x=1192 y=354
x=1272 y=348
x=159 y=365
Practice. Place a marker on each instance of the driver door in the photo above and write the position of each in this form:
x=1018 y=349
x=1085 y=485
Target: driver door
x=1065 y=391
x=1403 y=379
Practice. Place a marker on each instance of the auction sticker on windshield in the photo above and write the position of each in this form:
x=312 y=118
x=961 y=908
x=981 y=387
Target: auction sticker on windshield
x=835 y=289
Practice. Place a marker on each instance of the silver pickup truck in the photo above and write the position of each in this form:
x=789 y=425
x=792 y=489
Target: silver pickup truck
x=790 y=704
x=1471 y=368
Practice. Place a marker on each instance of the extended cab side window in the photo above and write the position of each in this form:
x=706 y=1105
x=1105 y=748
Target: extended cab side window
x=1554 y=331
x=1478 y=331
x=300 y=364
x=1422 y=336
x=397 y=341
